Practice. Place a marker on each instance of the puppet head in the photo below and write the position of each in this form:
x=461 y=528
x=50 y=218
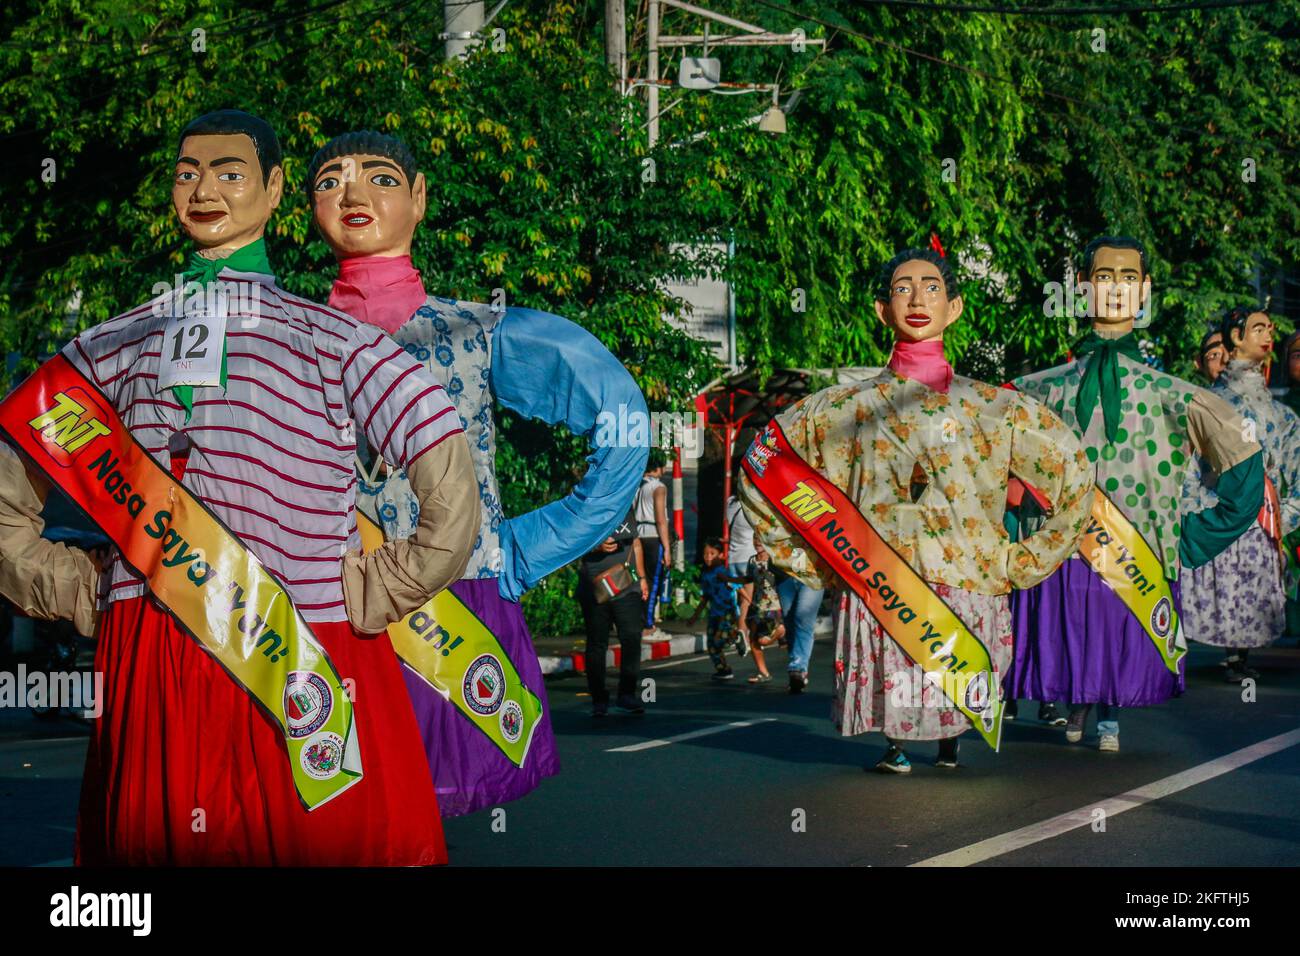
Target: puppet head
x=1248 y=334
x=1212 y=356
x=917 y=295
x=228 y=179
x=367 y=196
x=1115 y=268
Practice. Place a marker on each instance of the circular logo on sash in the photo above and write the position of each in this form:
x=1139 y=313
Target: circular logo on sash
x=512 y=721
x=308 y=702
x=322 y=755
x=1161 y=617
x=484 y=685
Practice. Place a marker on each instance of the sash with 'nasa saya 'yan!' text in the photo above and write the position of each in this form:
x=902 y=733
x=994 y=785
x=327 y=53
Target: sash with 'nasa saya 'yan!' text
x=918 y=620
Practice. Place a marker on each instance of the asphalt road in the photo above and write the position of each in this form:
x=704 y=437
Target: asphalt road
x=1224 y=773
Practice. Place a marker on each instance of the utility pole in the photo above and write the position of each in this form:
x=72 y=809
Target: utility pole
x=652 y=91
x=462 y=21
x=616 y=40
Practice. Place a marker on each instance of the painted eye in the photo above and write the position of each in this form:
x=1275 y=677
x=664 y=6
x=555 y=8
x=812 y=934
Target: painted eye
x=230 y=177
x=383 y=179
x=326 y=184
x=900 y=290
x=932 y=288
x=186 y=175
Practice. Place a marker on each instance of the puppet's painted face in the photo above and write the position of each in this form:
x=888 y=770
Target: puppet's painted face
x=218 y=192
x=1119 y=288
x=364 y=205
x=918 y=308
x=1256 y=341
x=1214 y=358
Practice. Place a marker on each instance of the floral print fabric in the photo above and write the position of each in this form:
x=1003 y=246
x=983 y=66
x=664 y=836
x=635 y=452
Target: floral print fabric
x=878 y=687
x=453 y=340
x=929 y=471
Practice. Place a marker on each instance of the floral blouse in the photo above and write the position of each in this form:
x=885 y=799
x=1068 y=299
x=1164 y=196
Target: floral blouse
x=929 y=470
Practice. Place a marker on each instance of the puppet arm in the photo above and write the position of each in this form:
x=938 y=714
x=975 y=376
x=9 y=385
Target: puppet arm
x=45 y=579
x=551 y=369
x=408 y=416
x=1046 y=455
x=1217 y=435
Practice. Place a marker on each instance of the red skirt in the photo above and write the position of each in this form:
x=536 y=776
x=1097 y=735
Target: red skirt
x=184 y=769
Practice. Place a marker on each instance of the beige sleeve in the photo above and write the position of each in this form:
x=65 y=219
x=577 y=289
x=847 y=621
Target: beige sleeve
x=392 y=581
x=1218 y=432
x=45 y=579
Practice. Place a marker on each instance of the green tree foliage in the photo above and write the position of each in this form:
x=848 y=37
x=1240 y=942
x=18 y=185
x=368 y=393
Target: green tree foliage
x=1015 y=139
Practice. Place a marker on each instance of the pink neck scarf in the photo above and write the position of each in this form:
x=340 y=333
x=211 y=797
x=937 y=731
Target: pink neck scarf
x=923 y=362
x=378 y=290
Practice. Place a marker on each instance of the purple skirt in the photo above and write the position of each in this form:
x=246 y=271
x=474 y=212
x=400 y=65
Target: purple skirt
x=469 y=771
x=1076 y=641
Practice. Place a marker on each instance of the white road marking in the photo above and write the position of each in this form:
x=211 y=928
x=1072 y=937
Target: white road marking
x=691 y=735
x=676 y=662
x=1037 y=832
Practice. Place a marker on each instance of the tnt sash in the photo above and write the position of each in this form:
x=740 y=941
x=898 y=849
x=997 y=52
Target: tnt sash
x=1122 y=558
x=456 y=654
x=205 y=577
x=917 y=619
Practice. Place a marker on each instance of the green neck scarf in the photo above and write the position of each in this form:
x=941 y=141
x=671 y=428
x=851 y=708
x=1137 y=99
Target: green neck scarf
x=249 y=258
x=1101 y=378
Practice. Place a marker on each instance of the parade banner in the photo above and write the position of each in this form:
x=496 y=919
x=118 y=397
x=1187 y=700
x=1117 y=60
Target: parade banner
x=1122 y=558
x=213 y=586
x=456 y=654
x=918 y=620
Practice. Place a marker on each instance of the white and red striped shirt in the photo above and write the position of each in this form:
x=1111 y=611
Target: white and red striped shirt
x=273 y=456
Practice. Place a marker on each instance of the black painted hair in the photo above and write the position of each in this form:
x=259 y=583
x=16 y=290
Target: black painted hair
x=885 y=280
x=1112 y=242
x=1235 y=318
x=1207 y=342
x=227 y=122
x=365 y=141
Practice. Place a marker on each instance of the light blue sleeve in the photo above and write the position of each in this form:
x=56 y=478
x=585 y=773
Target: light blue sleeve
x=549 y=368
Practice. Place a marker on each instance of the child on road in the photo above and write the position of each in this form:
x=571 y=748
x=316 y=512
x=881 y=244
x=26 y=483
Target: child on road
x=719 y=596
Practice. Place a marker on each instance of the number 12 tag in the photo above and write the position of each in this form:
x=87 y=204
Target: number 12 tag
x=193 y=343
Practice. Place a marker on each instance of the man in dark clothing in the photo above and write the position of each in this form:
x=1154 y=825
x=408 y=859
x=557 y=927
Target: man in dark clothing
x=609 y=594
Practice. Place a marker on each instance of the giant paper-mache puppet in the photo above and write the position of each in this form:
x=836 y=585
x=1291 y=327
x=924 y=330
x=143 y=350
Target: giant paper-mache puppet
x=1105 y=630
x=1237 y=601
x=253 y=709
x=895 y=489
x=484 y=746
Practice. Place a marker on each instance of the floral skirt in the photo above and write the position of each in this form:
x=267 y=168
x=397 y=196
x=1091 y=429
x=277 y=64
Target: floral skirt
x=1239 y=598
x=878 y=687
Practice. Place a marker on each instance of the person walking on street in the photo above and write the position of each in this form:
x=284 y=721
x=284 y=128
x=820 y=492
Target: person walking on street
x=612 y=590
x=740 y=550
x=799 y=605
x=651 y=507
